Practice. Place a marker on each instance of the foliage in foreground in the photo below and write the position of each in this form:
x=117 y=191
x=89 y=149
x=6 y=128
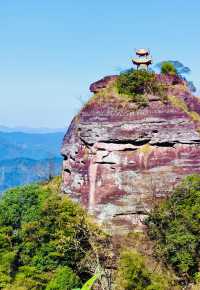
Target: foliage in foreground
x=175 y=228
x=133 y=273
x=46 y=244
x=64 y=278
x=137 y=84
x=43 y=237
x=89 y=284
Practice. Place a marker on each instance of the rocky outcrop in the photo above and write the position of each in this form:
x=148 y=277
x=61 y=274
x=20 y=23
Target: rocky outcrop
x=119 y=159
x=102 y=84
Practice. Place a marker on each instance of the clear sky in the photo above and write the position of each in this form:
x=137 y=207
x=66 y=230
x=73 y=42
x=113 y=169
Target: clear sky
x=51 y=50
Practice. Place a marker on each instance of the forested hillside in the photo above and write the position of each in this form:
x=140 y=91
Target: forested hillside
x=48 y=242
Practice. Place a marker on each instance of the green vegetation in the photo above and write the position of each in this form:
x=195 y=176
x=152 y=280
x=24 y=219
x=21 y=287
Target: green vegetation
x=176 y=68
x=133 y=273
x=175 y=227
x=88 y=285
x=43 y=237
x=179 y=103
x=138 y=84
x=64 y=278
x=168 y=68
x=48 y=243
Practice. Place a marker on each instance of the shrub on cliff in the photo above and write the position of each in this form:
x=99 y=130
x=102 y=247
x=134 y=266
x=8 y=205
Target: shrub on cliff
x=175 y=228
x=168 y=68
x=138 y=84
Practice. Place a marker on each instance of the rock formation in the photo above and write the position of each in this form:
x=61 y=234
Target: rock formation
x=119 y=158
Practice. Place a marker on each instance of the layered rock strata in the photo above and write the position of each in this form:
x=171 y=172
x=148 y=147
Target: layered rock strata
x=119 y=159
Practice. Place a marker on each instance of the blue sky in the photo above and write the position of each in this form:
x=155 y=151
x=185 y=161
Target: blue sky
x=50 y=51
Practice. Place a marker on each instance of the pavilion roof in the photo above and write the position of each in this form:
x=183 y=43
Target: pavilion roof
x=142 y=60
x=142 y=51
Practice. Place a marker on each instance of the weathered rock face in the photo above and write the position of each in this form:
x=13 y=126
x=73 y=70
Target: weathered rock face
x=118 y=160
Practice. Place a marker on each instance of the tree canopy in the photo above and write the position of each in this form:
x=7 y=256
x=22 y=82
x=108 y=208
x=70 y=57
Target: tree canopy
x=168 y=68
x=42 y=238
x=175 y=227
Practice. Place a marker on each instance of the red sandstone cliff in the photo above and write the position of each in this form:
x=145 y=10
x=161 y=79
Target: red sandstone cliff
x=119 y=158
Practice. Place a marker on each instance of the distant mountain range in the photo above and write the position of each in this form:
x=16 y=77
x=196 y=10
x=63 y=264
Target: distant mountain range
x=41 y=130
x=28 y=157
x=29 y=145
x=19 y=171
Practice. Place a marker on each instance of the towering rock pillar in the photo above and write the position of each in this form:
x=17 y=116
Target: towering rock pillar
x=119 y=159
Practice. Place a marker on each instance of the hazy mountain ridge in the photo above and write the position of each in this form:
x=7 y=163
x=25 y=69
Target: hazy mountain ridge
x=15 y=172
x=28 y=145
x=28 y=157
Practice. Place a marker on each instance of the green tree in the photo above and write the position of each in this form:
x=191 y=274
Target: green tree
x=40 y=231
x=168 y=68
x=134 y=274
x=175 y=228
x=137 y=84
